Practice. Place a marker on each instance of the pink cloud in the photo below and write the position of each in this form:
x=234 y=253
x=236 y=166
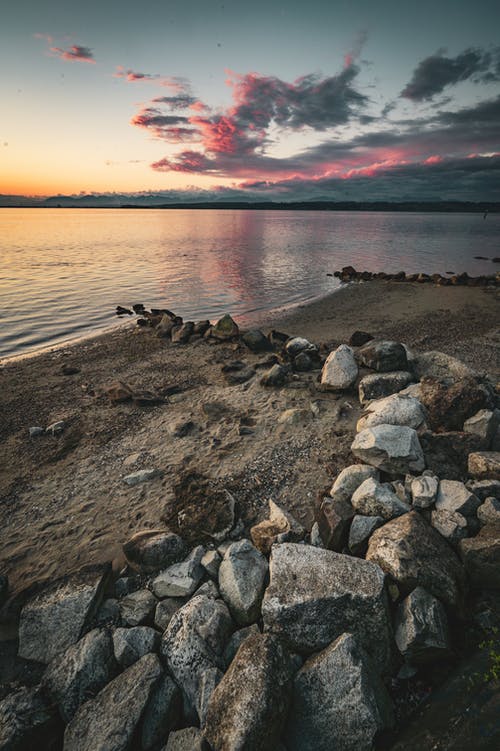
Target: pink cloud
x=75 y=53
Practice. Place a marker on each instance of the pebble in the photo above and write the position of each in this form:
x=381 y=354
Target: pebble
x=55 y=427
x=36 y=431
x=142 y=475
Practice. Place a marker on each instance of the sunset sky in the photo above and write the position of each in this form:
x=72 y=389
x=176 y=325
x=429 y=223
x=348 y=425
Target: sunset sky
x=340 y=100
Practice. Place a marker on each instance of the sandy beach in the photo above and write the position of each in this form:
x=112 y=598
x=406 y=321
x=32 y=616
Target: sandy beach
x=63 y=501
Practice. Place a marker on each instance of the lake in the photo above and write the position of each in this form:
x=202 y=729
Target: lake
x=63 y=271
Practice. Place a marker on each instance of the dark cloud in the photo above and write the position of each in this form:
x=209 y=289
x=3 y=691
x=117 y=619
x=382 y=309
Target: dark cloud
x=178 y=102
x=133 y=75
x=74 y=53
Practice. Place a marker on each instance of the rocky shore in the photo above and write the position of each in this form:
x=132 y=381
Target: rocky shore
x=310 y=540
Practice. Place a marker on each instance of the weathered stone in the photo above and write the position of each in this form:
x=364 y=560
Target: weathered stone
x=138 y=607
x=421 y=630
x=391 y=448
x=165 y=610
x=211 y=562
x=181 y=334
x=209 y=589
x=375 y=499
x=27 y=721
x=315 y=595
x=125 y=585
x=484 y=489
x=362 y=528
x=383 y=356
x=449 y=405
x=484 y=424
x=109 y=721
x=80 y=673
x=304 y=362
x=454 y=496
x=340 y=369
x=358 y=338
x=450 y=524
x=225 y=329
x=297 y=345
x=446 y=454
x=237 y=640
x=153 y=549
x=414 y=554
x=130 y=644
x=484 y=465
x=164 y=328
x=162 y=714
x=187 y=739
x=481 y=557
x=280 y=521
x=443 y=367
x=276 y=376
x=256 y=341
x=393 y=410
x=242 y=575
x=142 y=475
x=181 y=579
x=200 y=510
x=201 y=327
x=60 y=613
x=350 y=479
x=424 y=491
x=109 y=613
x=489 y=511
x=339 y=701
x=248 y=708
x=334 y=520
x=379 y=385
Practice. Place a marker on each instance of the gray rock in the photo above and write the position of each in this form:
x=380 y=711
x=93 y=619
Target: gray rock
x=181 y=334
x=130 y=644
x=109 y=613
x=209 y=681
x=211 y=562
x=378 y=385
x=443 y=367
x=297 y=345
x=383 y=356
x=375 y=499
x=80 y=673
x=334 y=519
x=421 y=630
x=187 y=739
x=165 y=610
x=181 y=579
x=138 y=608
x=242 y=575
x=27 y=720
x=392 y=448
x=193 y=643
x=256 y=341
x=35 y=431
x=125 y=585
x=340 y=369
x=316 y=538
x=350 y=479
x=424 y=491
x=395 y=409
x=154 y=549
x=450 y=524
x=454 y=496
x=237 y=640
x=60 y=613
x=484 y=465
x=362 y=528
x=209 y=589
x=109 y=721
x=485 y=424
x=276 y=376
x=248 y=708
x=489 y=511
x=484 y=489
x=315 y=595
x=142 y=475
x=339 y=701
x=481 y=557
x=162 y=714
x=414 y=554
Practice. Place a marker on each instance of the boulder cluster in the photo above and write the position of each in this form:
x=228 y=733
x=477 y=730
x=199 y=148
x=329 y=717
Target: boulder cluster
x=277 y=637
x=349 y=274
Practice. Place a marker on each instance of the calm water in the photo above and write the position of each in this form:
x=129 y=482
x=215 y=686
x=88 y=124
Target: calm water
x=63 y=271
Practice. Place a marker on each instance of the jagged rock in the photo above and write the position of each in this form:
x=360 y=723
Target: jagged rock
x=414 y=554
x=193 y=643
x=449 y=405
x=181 y=334
x=339 y=701
x=237 y=640
x=165 y=610
x=181 y=579
x=379 y=385
x=484 y=424
x=450 y=524
x=110 y=720
x=484 y=489
x=392 y=448
x=374 y=499
x=393 y=410
x=265 y=534
x=108 y=613
x=421 y=630
x=162 y=714
x=130 y=644
x=80 y=673
x=211 y=562
x=225 y=329
x=138 y=607
x=248 y=708
x=443 y=367
x=446 y=454
x=489 y=511
x=481 y=557
x=27 y=720
x=424 y=491
x=383 y=356
x=297 y=345
x=276 y=376
x=153 y=549
x=315 y=595
x=256 y=341
x=340 y=369
x=334 y=520
x=201 y=327
x=454 y=496
x=142 y=475
x=209 y=589
x=484 y=465
x=187 y=739
x=125 y=585
x=242 y=575
x=362 y=527
x=59 y=614
x=350 y=479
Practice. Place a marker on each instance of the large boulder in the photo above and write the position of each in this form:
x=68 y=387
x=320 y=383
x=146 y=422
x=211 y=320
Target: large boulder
x=484 y=465
x=340 y=369
x=248 y=708
x=392 y=448
x=60 y=613
x=449 y=405
x=242 y=575
x=130 y=644
x=181 y=579
x=443 y=367
x=339 y=701
x=349 y=480
x=481 y=557
x=27 y=721
x=454 y=496
x=153 y=549
x=109 y=721
x=224 y=329
x=163 y=713
x=378 y=385
x=421 y=630
x=373 y=498
x=414 y=554
x=383 y=356
x=395 y=409
x=315 y=595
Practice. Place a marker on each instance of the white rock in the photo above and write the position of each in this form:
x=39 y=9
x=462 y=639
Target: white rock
x=374 y=499
x=454 y=496
x=180 y=579
x=391 y=448
x=424 y=490
x=450 y=524
x=350 y=479
x=395 y=409
x=340 y=369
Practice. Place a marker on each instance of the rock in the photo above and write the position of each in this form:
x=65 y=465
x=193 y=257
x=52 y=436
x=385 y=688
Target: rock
x=265 y=534
x=165 y=326
x=315 y=537
x=393 y=410
x=412 y=390
x=110 y=720
x=153 y=549
x=334 y=520
x=303 y=362
x=36 y=431
x=489 y=511
x=446 y=454
x=27 y=721
x=350 y=479
x=142 y=475
x=181 y=334
x=443 y=367
x=187 y=739
x=383 y=356
x=56 y=427
x=138 y=607
x=209 y=589
x=125 y=585
x=298 y=344
x=424 y=491
x=225 y=329
x=392 y=448
x=421 y=630
x=165 y=610
x=201 y=327
x=449 y=405
x=315 y=595
x=358 y=338
x=450 y=524
x=211 y=562
x=276 y=376
x=484 y=489
x=374 y=499
x=379 y=385
x=241 y=375
x=60 y=613
x=484 y=424
x=109 y=613
x=414 y=554
x=181 y=579
x=193 y=643
x=340 y=369
x=362 y=527
x=454 y=496
x=339 y=701
x=237 y=640
x=256 y=341
x=242 y=575
x=201 y=510
x=118 y=391
x=130 y=644
x=248 y=708
x=162 y=714
x=484 y=465
x=481 y=557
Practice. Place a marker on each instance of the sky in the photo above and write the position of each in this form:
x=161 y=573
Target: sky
x=195 y=99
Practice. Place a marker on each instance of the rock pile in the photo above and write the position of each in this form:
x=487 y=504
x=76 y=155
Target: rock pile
x=349 y=274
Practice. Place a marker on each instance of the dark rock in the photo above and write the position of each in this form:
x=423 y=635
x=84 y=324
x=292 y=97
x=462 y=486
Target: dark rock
x=334 y=520
x=109 y=613
x=181 y=334
x=187 y=739
x=200 y=510
x=201 y=327
x=154 y=549
x=484 y=465
x=256 y=341
x=383 y=356
x=379 y=385
x=4 y=588
x=138 y=308
x=446 y=454
x=450 y=404
x=298 y=344
x=163 y=713
x=123 y=311
x=481 y=557
x=130 y=644
x=362 y=528
x=358 y=338
x=484 y=489
x=69 y=370
x=303 y=363
x=277 y=338
x=165 y=610
x=277 y=376
x=225 y=329
x=27 y=721
x=421 y=630
x=118 y=391
x=125 y=585
x=138 y=607
x=237 y=640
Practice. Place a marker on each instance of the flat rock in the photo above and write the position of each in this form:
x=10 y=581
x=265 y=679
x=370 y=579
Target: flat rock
x=362 y=528
x=130 y=644
x=350 y=479
x=392 y=448
x=242 y=576
x=181 y=579
x=453 y=495
x=315 y=595
x=379 y=385
x=340 y=369
x=450 y=524
x=153 y=549
x=27 y=720
x=424 y=491
x=138 y=608
x=484 y=465
x=421 y=630
x=395 y=409
x=163 y=713
x=373 y=498
x=383 y=356
x=142 y=475
x=481 y=557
